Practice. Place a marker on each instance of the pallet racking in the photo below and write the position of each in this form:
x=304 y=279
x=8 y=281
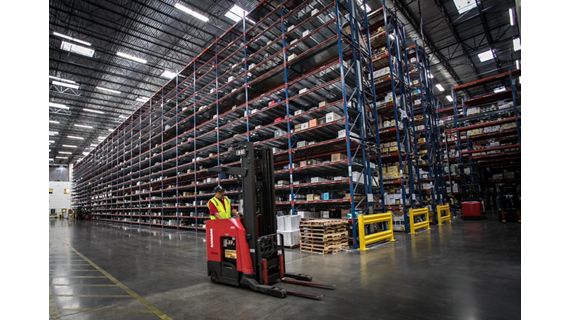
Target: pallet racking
x=295 y=76
x=483 y=136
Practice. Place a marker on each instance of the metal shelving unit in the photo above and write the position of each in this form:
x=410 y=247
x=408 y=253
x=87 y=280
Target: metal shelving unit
x=483 y=134
x=295 y=77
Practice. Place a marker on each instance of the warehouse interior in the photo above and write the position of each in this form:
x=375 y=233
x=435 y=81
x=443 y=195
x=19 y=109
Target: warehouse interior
x=288 y=159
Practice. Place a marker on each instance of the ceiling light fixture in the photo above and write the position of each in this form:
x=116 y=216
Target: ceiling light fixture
x=168 y=74
x=439 y=87
x=61 y=79
x=464 y=5
x=110 y=130
x=75 y=48
x=486 y=55
x=94 y=144
x=75 y=137
x=93 y=111
x=53 y=133
x=83 y=126
x=101 y=138
x=71 y=38
x=236 y=13
x=58 y=105
x=51 y=141
x=122 y=116
x=130 y=57
x=50 y=159
x=61 y=157
x=65 y=152
x=142 y=99
x=68 y=146
x=108 y=90
x=517 y=44
x=518 y=64
x=54 y=121
x=191 y=12
x=65 y=84
x=449 y=98
x=512 y=16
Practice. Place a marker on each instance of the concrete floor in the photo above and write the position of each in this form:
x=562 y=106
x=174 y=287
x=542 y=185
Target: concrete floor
x=470 y=271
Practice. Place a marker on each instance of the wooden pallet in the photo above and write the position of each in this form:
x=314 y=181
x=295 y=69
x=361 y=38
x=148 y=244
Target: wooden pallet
x=323 y=249
x=324 y=236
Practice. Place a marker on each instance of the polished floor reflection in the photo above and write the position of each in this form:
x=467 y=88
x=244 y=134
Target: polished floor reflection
x=470 y=270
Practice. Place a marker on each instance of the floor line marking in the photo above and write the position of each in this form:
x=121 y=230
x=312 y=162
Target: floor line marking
x=136 y=296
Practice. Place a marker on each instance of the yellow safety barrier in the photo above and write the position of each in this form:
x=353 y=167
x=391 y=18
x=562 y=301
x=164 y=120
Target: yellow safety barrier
x=443 y=214
x=366 y=239
x=413 y=213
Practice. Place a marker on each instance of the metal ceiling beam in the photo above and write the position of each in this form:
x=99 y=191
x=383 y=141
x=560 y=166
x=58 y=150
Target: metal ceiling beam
x=450 y=25
x=488 y=35
x=415 y=24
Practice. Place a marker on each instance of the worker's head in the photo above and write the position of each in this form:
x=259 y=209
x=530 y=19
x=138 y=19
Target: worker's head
x=219 y=192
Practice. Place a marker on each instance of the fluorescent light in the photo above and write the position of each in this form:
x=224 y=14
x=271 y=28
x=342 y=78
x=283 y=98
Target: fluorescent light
x=464 y=5
x=84 y=51
x=430 y=75
x=449 y=98
x=110 y=130
x=83 y=126
x=53 y=133
x=130 y=57
x=54 y=121
x=71 y=38
x=168 y=74
x=368 y=9
x=101 y=138
x=439 y=87
x=65 y=84
x=93 y=111
x=58 y=105
x=94 y=144
x=68 y=146
x=65 y=152
x=61 y=79
x=75 y=137
x=191 y=12
x=143 y=99
x=236 y=13
x=512 y=16
x=499 y=89
x=50 y=159
x=518 y=64
x=486 y=55
x=51 y=141
x=122 y=116
x=517 y=44
x=61 y=157
x=85 y=153
x=108 y=90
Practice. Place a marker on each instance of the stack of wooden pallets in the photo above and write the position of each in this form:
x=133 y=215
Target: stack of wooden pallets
x=324 y=235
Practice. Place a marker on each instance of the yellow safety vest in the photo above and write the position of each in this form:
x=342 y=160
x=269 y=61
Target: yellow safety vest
x=224 y=212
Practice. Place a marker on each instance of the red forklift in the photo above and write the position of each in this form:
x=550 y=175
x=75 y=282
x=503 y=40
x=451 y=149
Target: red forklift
x=246 y=251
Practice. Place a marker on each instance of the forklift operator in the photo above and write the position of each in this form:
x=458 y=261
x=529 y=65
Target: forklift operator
x=220 y=206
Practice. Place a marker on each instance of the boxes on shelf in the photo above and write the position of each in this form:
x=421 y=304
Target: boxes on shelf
x=342 y=134
x=298 y=112
x=338 y=157
x=332 y=116
x=313 y=123
x=304 y=125
x=318 y=179
x=322 y=104
x=308 y=214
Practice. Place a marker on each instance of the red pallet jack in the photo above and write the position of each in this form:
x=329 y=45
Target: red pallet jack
x=245 y=251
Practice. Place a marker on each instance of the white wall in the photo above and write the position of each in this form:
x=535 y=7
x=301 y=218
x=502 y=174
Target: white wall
x=58 y=200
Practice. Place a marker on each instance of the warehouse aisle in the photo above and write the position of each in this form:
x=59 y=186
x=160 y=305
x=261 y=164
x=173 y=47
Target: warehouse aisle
x=105 y=271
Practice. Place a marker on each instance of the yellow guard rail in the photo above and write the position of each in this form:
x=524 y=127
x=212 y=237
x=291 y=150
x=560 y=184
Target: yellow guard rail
x=443 y=214
x=366 y=239
x=413 y=213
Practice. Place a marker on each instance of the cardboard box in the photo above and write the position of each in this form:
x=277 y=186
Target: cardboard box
x=318 y=179
x=342 y=134
x=302 y=163
x=301 y=143
x=290 y=238
x=304 y=125
x=322 y=104
x=313 y=123
x=303 y=90
x=338 y=156
x=298 y=112
x=310 y=197
x=331 y=116
x=325 y=196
